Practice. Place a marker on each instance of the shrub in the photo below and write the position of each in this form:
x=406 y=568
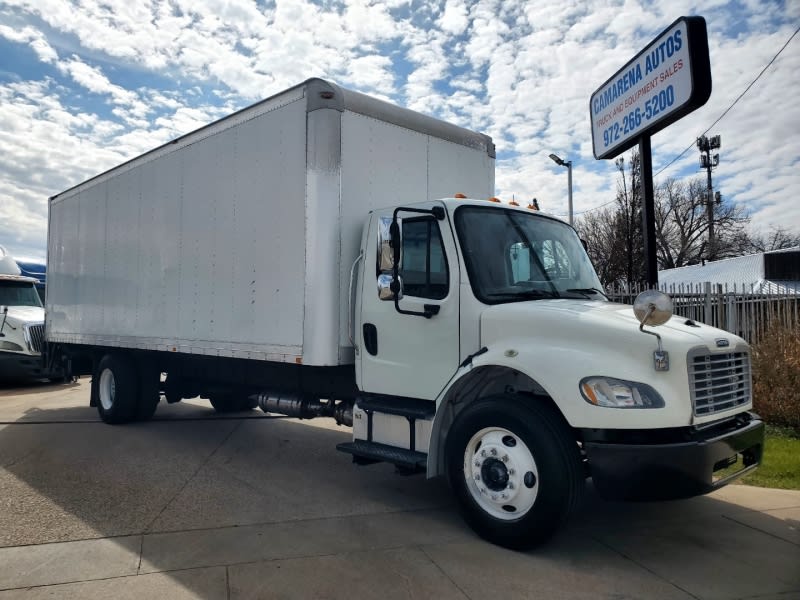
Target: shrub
x=776 y=376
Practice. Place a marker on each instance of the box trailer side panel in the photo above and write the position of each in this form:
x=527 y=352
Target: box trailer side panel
x=195 y=249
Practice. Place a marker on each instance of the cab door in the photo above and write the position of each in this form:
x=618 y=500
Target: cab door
x=409 y=354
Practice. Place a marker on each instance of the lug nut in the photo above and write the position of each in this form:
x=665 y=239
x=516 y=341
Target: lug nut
x=483 y=452
x=477 y=477
x=511 y=471
x=494 y=452
x=510 y=485
x=504 y=458
x=477 y=463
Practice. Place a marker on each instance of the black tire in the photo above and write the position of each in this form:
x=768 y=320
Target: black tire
x=149 y=395
x=498 y=490
x=115 y=389
x=229 y=403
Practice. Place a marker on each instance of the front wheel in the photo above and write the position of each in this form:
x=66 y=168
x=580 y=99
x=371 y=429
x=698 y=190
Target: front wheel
x=515 y=469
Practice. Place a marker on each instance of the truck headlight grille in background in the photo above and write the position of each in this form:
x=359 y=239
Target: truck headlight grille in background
x=34 y=335
x=719 y=382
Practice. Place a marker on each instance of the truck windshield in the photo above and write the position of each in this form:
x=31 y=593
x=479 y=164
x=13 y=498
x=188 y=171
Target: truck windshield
x=513 y=256
x=18 y=293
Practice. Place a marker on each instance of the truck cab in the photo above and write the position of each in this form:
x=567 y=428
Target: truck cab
x=21 y=323
x=487 y=351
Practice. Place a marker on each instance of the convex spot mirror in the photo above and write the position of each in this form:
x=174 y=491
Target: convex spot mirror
x=652 y=308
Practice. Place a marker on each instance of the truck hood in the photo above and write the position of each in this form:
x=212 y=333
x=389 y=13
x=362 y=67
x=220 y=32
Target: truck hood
x=19 y=315
x=592 y=322
x=558 y=342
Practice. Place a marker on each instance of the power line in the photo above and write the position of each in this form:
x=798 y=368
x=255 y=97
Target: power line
x=725 y=112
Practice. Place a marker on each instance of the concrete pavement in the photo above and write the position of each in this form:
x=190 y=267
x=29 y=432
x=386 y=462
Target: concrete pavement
x=195 y=506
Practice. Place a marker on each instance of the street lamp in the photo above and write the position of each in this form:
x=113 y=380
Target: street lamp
x=568 y=164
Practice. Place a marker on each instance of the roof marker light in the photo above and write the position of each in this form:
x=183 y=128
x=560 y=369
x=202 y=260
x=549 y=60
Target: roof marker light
x=494 y=199
x=459 y=195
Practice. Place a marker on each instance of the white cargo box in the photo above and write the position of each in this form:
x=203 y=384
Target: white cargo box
x=237 y=239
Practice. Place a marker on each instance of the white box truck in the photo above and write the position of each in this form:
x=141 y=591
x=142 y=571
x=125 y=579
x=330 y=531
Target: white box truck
x=314 y=254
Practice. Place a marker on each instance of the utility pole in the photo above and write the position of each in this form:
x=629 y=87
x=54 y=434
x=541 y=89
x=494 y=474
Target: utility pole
x=708 y=162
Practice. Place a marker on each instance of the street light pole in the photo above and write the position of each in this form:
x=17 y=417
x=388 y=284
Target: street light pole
x=568 y=164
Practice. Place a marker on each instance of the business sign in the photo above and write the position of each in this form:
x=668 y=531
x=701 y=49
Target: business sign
x=667 y=80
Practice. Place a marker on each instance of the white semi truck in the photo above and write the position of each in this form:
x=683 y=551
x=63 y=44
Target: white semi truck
x=314 y=254
x=21 y=324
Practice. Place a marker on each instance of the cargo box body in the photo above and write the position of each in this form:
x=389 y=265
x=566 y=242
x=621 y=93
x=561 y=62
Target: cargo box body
x=237 y=240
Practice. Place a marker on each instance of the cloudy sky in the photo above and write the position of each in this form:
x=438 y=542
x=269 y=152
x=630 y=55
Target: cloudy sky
x=88 y=84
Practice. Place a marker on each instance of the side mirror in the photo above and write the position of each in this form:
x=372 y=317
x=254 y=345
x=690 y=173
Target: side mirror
x=386 y=252
x=385 y=291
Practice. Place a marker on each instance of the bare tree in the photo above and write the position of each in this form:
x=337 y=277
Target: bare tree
x=777 y=238
x=614 y=234
x=682 y=225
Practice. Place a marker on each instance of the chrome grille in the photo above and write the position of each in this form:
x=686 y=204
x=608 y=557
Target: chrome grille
x=719 y=382
x=35 y=337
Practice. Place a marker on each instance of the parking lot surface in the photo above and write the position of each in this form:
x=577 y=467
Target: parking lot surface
x=191 y=505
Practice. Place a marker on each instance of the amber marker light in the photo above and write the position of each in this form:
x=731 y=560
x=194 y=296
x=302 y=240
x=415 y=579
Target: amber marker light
x=459 y=195
x=589 y=392
x=494 y=199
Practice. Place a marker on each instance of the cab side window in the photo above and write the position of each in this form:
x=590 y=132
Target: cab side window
x=424 y=264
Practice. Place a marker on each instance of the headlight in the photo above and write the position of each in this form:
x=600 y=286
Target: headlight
x=6 y=345
x=618 y=393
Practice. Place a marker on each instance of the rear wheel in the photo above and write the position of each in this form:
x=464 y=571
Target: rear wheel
x=149 y=394
x=515 y=469
x=115 y=389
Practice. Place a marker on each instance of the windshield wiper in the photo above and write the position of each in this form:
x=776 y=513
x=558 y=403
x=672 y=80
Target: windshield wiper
x=591 y=290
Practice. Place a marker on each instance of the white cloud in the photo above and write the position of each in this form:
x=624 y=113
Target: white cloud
x=519 y=71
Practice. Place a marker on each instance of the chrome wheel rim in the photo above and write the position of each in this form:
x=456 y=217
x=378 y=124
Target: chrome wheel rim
x=107 y=389
x=500 y=473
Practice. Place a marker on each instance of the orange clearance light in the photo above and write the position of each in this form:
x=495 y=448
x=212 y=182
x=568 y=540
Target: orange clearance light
x=459 y=195
x=513 y=203
x=532 y=207
x=494 y=199
x=589 y=393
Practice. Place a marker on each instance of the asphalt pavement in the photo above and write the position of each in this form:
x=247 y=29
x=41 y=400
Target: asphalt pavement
x=192 y=505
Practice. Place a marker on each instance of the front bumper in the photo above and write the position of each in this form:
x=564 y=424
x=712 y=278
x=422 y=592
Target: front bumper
x=17 y=366
x=679 y=463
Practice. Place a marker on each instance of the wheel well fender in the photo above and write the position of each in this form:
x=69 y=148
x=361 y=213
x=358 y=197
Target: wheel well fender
x=478 y=383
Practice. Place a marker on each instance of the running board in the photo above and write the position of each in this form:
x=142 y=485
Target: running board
x=365 y=453
x=412 y=408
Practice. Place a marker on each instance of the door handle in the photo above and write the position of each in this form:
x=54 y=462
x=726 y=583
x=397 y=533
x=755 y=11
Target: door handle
x=370 y=338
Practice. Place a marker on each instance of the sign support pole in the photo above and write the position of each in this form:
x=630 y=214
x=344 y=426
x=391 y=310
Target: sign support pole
x=648 y=211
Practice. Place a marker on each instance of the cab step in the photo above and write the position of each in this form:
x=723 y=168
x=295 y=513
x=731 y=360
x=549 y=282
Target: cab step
x=412 y=408
x=365 y=452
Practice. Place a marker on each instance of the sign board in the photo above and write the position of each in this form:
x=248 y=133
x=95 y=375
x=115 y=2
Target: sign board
x=667 y=80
